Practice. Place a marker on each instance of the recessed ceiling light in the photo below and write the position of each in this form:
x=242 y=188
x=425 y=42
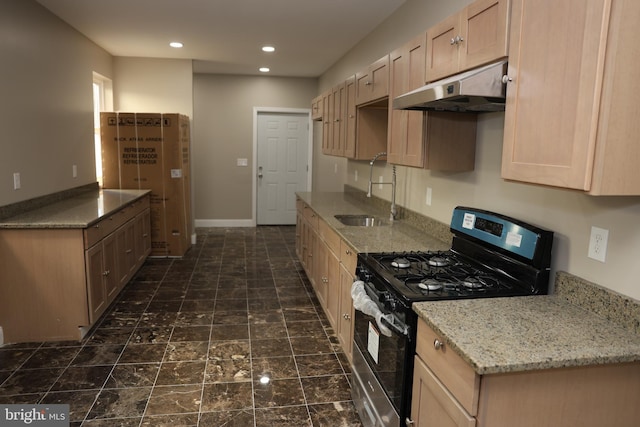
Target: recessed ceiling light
x=268 y=49
x=264 y=69
x=177 y=45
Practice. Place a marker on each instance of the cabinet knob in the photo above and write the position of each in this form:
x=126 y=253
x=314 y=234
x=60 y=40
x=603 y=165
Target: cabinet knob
x=437 y=344
x=408 y=421
x=368 y=83
x=106 y=273
x=348 y=252
x=506 y=79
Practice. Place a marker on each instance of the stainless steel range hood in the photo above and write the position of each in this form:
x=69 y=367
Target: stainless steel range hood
x=475 y=91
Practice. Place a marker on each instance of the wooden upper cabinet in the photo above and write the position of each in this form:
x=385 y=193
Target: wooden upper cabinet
x=405 y=144
x=570 y=118
x=476 y=35
x=372 y=83
x=317 y=107
x=350 y=118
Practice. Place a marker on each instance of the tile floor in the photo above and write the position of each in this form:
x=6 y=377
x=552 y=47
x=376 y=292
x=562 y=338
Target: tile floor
x=189 y=340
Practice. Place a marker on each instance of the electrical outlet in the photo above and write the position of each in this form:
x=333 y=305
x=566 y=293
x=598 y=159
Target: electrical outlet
x=74 y=171
x=380 y=182
x=598 y=243
x=428 y=199
x=16 y=180
x=335 y=168
x=356 y=175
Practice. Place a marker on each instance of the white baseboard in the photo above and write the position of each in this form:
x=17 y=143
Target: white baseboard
x=224 y=223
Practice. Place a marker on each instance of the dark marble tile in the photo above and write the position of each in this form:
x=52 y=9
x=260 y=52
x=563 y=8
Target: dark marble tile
x=271 y=347
x=285 y=392
x=143 y=353
x=200 y=294
x=228 y=370
x=341 y=414
x=230 y=304
x=224 y=350
x=175 y=399
x=170 y=293
x=330 y=388
x=98 y=355
x=4 y=375
x=296 y=291
x=299 y=314
x=28 y=381
x=228 y=419
x=274 y=367
x=232 y=293
x=112 y=422
x=110 y=336
x=194 y=318
x=188 y=350
x=120 y=403
x=229 y=332
x=259 y=305
x=312 y=328
x=190 y=333
x=268 y=330
x=292 y=416
x=310 y=345
x=318 y=364
x=51 y=357
x=82 y=378
x=198 y=305
x=157 y=319
x=133 y=375
x=226 y=396
x=186 y=372
x=11 y=358
x=120 y=320
x=266 y=283
x=266 y=316
x=80 y=402
x=151 y=334
x=174 y=420
x=231 y=317
x=164 y=306
x=21 y=399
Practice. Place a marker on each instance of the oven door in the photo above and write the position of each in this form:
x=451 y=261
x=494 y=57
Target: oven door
x=383 y=363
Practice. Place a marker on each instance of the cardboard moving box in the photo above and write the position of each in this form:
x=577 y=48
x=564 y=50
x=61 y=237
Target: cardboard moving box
x=151 y=151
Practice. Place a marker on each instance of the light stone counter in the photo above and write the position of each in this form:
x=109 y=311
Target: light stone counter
x=402 y=235
x=497 y=335
x=77 y=211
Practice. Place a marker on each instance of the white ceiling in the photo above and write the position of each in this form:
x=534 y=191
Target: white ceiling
x=225 y=36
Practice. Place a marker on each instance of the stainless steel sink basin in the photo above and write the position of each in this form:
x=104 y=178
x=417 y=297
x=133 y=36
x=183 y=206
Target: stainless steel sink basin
x=360 y=220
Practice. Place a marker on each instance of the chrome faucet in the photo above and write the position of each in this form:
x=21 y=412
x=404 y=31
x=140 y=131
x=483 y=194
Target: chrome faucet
x=394 y=211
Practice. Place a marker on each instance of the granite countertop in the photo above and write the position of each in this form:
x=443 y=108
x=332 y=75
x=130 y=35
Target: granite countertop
x=581 y=324
x=399 y=235
x=499 y=335
x=78 y=211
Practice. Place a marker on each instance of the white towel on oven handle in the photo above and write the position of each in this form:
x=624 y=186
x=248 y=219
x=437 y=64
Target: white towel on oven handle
x=363 y=303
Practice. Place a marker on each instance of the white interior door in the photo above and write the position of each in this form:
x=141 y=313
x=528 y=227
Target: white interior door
x=283 y=146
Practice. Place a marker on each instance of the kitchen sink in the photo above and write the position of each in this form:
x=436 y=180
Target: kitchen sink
x=361 y=220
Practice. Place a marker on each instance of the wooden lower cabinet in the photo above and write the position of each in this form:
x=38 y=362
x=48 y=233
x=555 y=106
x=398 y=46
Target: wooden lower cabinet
x=56 y=282
x=331 y=272
x=448 y=393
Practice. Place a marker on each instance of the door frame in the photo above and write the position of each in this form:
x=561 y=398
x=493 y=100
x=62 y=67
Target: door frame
x=276 y=110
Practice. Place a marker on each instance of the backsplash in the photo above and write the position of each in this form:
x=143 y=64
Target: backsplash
x=611 y=305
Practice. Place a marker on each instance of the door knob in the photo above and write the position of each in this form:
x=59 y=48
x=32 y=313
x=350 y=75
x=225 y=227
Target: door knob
x=259 y=171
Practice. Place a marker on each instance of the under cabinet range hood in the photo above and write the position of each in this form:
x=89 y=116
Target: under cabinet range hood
x=479 y=90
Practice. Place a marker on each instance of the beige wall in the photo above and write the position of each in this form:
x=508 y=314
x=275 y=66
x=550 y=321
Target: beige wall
x=569 y=213
x=46 y=104
x=153 y=85
x=223 y=132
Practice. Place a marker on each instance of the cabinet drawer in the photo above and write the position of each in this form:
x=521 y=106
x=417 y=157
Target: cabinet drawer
x=456 y=375
x=107 y=225
x=348 y=257
x=311 y=217
x=329 y=236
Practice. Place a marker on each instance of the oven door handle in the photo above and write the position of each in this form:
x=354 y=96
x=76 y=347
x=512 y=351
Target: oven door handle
x=387 y=323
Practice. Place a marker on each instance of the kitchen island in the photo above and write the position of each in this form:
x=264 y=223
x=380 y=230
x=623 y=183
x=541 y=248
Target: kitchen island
x=62 y=263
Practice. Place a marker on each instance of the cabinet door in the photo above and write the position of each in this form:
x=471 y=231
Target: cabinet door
x=350 y=124
x=556 y=65
x=142 y=231
x=327 y=129
x=333 y=290
x=373 y=82
x=431 y=403
x=339 y=120
x=484 y=31
x=345 y=318
x=321 y=271
x=96 y=290
x=110 y=259
x=405 y=140
x=317 y=108
x=442 y=49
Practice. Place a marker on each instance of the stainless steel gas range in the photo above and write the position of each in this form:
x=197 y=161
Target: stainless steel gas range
x=491 y=256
